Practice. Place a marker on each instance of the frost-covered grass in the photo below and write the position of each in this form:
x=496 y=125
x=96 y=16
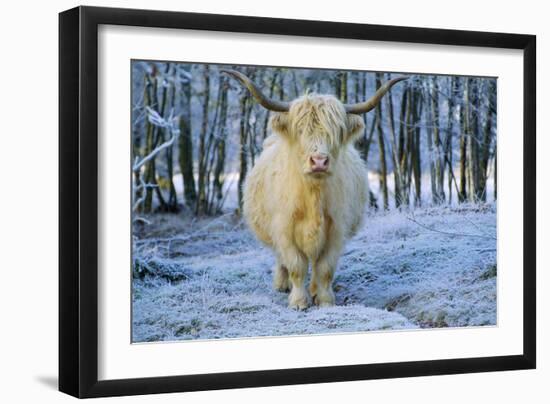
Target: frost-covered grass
x=211 y=278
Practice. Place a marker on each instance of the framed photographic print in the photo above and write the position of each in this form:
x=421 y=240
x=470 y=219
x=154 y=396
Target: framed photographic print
x=251 y=201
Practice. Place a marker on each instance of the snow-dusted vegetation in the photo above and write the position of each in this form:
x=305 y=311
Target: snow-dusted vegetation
x=425 y=256
x=211 y=278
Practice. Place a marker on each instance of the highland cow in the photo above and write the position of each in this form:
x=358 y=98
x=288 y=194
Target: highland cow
x=307 y=191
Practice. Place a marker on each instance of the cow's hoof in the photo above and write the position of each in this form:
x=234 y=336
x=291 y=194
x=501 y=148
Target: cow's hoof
x=298 y=299
x=324 y=299
x=281 y=285
x=280 y=279
x=299 y=306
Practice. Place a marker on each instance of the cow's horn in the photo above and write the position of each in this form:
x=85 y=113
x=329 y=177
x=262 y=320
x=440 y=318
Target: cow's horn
x=266 y=102
x=362 y=107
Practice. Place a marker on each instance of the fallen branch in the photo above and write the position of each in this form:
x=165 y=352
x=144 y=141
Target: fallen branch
x=484 y=250
x=450 y=233
x=141 y=219
x=481 y=230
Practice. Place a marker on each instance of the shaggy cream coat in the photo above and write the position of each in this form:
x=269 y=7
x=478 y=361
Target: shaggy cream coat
x=305 y=216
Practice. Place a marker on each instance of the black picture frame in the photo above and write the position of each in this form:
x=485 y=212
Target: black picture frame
x=78 y=201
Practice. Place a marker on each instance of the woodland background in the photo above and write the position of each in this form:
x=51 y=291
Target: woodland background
x=196 y=134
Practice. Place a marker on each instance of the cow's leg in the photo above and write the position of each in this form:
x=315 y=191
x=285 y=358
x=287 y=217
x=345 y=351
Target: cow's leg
x=313 y=281
x=322 y=276
x=296 y=264
x=280 y=277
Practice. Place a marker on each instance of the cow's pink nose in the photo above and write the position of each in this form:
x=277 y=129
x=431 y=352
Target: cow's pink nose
x=319 y=162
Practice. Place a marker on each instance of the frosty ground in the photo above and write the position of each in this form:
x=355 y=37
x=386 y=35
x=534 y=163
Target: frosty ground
x=210 y=278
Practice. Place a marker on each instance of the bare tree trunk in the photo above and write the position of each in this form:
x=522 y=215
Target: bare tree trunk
x=364 y=143
x=487 y=140
x=357 y=87
x=252 y=144
x=448 y=142
x=344 y=86
x=404 y=144
x=462 y=196
x=431 y=146
x=158 y=135
x=406 y=158
x=271 y=92
x=220 y=151
x=243 y=156
x=172 y=196
x=416 y=157
x=211 y=148
x=136 y=150
x=185 y=144
x=281 y=86
x=201 y=201
x=149 y=146
x=381 y=148
x=438 y=155
x=246 y=108
x=473 y=139
x=394 y=151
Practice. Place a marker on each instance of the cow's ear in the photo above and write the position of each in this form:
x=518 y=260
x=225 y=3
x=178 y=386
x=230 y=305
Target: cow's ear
x=355 y=126
x=279 y=123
